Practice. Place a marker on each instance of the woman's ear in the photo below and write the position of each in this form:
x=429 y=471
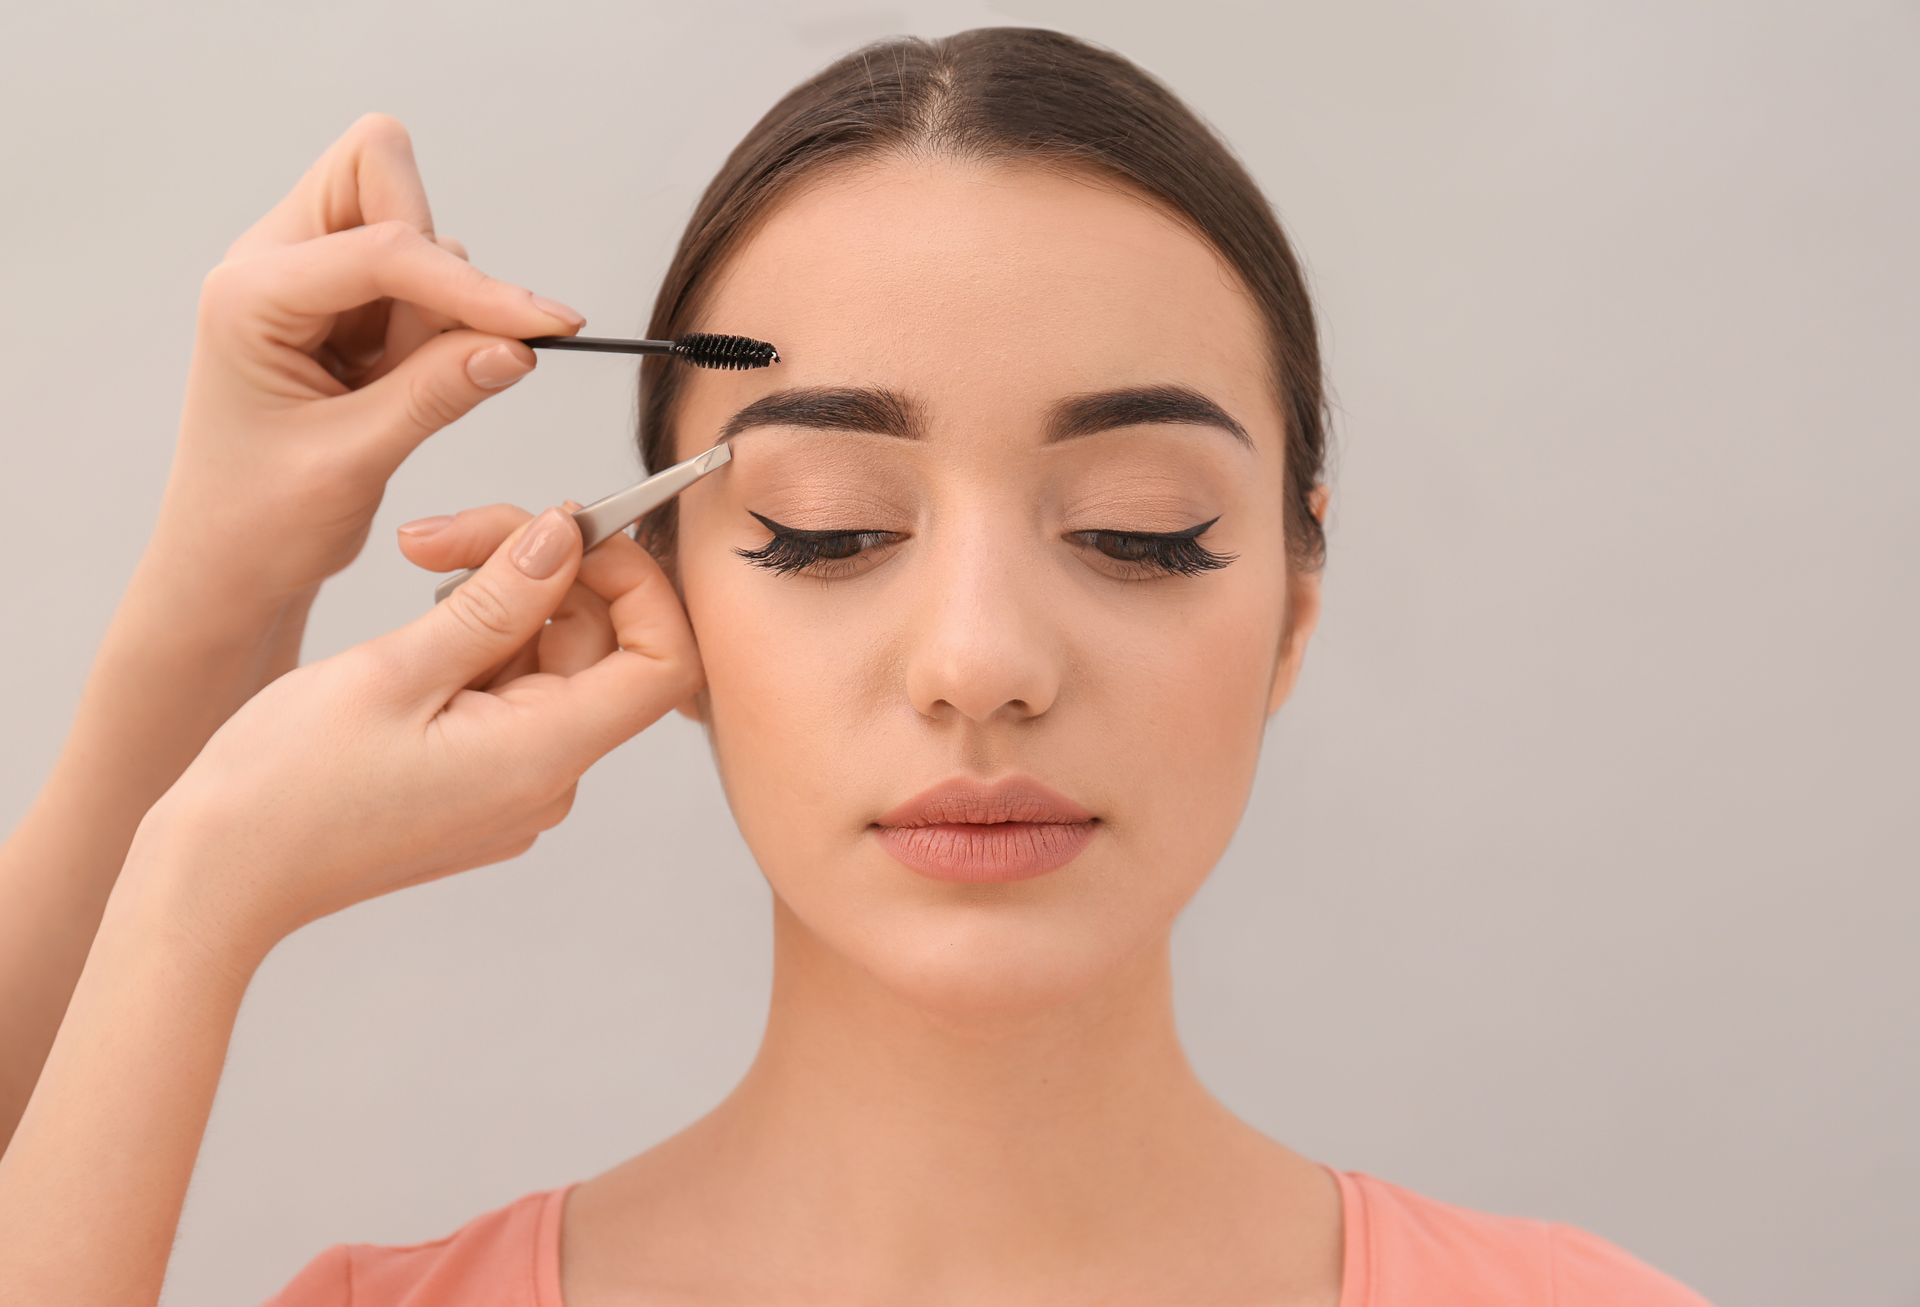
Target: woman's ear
x=1303 y=614
x=1317 y=500
x=1303 y=604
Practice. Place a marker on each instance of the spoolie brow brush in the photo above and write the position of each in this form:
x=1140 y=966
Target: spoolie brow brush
x=702 y=348
x=623 y=508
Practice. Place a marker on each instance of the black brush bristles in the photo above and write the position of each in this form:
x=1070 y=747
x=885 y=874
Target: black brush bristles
x=700 y=348
x=708 y=350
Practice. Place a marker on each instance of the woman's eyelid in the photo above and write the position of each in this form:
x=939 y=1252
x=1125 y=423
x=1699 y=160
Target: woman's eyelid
x=1194 y=527
x=883 y=535
x=1143 y=515
x=1182 y=522
x=817 y=533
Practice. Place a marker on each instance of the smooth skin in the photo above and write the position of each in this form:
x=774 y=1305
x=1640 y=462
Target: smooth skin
x=213 y=796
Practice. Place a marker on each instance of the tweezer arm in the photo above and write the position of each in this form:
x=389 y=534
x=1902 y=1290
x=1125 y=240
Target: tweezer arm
x=622 y=508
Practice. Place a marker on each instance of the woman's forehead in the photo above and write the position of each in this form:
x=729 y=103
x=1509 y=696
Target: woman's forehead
x=990 y=259
x=982 y=285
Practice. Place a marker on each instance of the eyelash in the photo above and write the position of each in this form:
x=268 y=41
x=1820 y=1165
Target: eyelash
x=1164 y=553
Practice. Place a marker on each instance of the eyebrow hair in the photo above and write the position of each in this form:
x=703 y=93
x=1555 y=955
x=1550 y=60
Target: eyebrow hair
x=875 y=410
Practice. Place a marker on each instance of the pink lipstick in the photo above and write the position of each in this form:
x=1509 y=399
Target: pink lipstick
x=972 y=831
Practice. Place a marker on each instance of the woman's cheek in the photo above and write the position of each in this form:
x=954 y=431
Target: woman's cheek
x=779 y=706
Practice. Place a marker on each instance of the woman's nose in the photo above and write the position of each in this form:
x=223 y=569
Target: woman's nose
x=980 y=640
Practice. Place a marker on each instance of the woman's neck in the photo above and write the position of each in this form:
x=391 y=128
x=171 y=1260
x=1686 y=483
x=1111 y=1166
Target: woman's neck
x=981 y=1151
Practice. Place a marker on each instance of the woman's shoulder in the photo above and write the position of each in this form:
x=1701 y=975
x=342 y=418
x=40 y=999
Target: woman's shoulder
x=1401 y=1244
x=507 y=1256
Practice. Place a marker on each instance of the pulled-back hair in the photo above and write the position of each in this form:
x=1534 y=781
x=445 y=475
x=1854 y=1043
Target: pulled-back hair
x=1003 y=93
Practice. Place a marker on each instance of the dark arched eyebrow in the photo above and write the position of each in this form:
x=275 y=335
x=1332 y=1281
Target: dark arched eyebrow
x=877 y=411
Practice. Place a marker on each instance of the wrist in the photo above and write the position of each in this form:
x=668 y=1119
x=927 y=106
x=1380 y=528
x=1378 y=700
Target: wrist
x=283 y=640
x=168 y=672
x=174 y=883
x=196 y=600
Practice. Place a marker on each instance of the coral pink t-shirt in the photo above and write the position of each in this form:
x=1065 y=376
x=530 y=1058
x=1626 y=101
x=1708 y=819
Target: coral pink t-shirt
x=1402 y=1248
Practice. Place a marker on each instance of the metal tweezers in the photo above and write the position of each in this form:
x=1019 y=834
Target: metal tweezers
x=623 y=508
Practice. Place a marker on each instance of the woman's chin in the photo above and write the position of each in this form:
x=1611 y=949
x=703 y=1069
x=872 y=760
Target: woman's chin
x=973 y=961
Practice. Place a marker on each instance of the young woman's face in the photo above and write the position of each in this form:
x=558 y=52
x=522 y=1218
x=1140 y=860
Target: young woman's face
x=983 y=628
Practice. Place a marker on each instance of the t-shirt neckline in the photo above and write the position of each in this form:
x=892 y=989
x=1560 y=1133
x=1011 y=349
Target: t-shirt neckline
x=1353 y=1243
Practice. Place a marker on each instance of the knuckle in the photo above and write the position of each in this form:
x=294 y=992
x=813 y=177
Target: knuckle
x=495 y=522
x=478 y=605
x=392 y=234
x=475 y=282
x=221 y=288
x=427 y=406
x=374 y=125
x=381 y=665
x=527 y=789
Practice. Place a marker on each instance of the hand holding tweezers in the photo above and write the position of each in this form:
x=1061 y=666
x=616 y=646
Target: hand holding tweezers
x=623 y=508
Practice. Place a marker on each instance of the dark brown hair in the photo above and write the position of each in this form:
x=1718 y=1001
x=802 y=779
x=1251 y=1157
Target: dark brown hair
x=996 y=93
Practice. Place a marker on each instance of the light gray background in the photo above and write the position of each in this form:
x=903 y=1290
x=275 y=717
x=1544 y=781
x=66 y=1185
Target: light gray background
x=1578 y=879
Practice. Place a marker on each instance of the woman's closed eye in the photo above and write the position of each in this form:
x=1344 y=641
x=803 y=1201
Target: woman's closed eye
x=1142 y=554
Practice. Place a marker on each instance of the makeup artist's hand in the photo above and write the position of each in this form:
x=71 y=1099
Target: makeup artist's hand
x=338 y=333
x=446 y=744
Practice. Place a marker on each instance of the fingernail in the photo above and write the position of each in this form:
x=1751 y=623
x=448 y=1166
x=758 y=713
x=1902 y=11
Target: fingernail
x=543 y=547
x=497 y=366
x=554 y=308
x=425 y=526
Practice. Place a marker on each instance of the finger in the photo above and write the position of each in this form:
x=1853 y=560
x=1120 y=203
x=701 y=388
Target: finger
x=354 y=340
x=485 y=620
x=524 y=662
x=473 y=533
x=533 y=656
x=432 y=319
x=610 y=567
x=437 y=384
x=655 y=663
x=367 y=175
x=465 y=539
x=293 y=291
x=411 y=325
x=579 y=634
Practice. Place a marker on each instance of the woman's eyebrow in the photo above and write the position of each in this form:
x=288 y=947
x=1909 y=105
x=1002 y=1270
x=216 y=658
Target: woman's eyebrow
x=878 y=411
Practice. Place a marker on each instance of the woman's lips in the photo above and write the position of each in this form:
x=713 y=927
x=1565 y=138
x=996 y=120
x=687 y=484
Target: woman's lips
x=975 y=852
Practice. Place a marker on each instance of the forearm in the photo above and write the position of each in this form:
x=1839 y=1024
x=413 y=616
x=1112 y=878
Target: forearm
x=92 y=1186
x=172 y=667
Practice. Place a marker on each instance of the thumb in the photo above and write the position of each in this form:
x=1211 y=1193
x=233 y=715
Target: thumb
x=440 y=381
x=489 y=616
